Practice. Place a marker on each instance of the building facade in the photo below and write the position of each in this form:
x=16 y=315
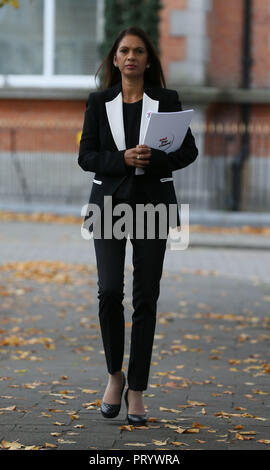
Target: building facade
x=48 y=58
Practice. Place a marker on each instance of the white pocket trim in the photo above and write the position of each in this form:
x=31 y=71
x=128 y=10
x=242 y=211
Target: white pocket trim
x=97 y=181
x=163 y=180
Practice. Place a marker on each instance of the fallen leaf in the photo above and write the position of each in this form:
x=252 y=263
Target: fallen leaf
x=160 y=443
x=9 y=408
x=135 y=444
x=62 y=441
x=198 y=425
x=11 y=445
x=196 y=403
x=127 y=427
x=178 y=443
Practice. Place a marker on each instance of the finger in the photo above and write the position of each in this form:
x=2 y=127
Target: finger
x=142 y=151
x=142 y=161
x=143 y=155
x=142 y=164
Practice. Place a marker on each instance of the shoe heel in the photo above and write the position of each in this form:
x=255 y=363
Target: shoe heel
x=111 y=411
x=136 y=420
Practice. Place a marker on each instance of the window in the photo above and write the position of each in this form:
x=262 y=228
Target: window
x=75 y=37
x=50 y=43
x=21 y=38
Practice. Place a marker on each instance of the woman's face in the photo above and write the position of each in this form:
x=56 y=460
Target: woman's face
x=131 y=51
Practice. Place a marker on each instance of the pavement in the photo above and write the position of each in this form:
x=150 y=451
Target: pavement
x=209 y=379
x=204 y=217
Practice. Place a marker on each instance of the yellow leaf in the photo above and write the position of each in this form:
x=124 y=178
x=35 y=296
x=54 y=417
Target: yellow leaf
x=172 y=410
x=74 y=416
x=180 y=430
x=11 y=445
x=62 y=441
x=196 y=403
x=9 y=408
x=139 y=444
x=160 y=443
x=52 y=410
x=194 y=337
x=247 y=432
x=32 y=448
x=198 y=425
x=163 y=321
x=178 y=443
x=127 y=427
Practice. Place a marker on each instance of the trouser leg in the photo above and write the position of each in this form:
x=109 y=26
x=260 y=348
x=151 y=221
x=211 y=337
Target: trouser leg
x=110 y=257
x=148 y=257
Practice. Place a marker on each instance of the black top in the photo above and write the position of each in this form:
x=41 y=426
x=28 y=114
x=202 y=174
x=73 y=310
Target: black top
x=132 y=119
x=132 y=184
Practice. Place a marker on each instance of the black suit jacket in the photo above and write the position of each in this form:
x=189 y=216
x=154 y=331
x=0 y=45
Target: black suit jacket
x=102 y=144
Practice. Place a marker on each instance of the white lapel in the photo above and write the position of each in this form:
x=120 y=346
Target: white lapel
x=114 y=109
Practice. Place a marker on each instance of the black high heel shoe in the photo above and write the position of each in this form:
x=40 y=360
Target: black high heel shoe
x=136 y=420
x=111 y=411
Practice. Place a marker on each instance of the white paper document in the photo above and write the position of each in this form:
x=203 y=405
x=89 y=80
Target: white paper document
x=166 y=131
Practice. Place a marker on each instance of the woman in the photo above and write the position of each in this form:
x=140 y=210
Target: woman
x=111 y=147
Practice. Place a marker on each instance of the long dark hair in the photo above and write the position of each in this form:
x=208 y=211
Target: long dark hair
x=112 y=75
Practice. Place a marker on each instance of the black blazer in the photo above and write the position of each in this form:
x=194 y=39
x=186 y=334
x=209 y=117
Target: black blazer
x=102 y=144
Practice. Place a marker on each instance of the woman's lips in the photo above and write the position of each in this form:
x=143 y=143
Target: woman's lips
x=131 y=66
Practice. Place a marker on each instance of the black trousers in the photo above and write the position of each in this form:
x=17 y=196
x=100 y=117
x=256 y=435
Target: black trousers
x=148 y=257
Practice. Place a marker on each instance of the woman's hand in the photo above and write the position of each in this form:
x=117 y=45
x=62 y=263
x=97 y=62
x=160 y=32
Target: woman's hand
x=143 y=151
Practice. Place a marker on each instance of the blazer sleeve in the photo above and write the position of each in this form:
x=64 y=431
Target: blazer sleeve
x=106 y=162
x=162 y=162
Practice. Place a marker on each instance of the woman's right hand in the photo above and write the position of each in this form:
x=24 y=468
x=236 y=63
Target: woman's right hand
x=131 y=155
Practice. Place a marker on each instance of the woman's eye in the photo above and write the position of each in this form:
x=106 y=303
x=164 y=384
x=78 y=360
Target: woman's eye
x=125 y=50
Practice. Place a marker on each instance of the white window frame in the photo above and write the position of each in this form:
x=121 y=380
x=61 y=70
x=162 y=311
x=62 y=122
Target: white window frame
x=48 y=80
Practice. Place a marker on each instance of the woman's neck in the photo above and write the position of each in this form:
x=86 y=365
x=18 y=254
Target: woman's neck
x=132 y=90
